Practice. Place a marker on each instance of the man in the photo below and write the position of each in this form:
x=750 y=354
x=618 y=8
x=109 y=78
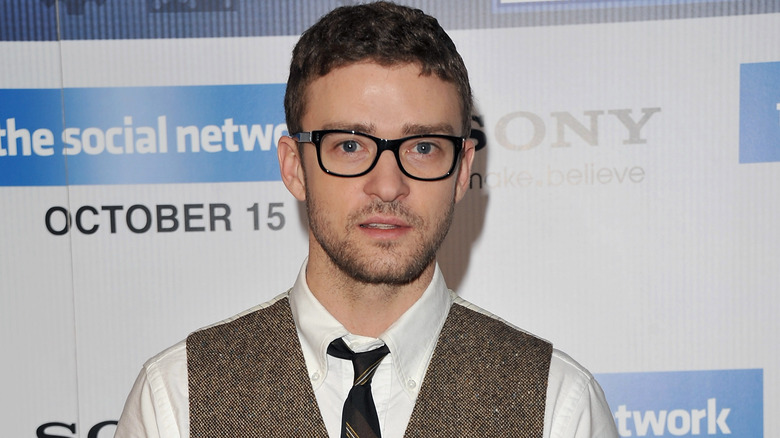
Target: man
x=370 y=290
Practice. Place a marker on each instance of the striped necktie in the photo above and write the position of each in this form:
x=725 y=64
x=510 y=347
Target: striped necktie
x=359 y=418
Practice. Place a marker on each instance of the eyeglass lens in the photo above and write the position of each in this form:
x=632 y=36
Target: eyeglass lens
x=350 y=154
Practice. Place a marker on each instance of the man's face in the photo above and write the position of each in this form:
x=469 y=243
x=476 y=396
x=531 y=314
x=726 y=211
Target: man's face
x=382 y=227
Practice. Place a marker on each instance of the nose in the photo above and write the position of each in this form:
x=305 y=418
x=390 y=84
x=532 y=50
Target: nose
x=386 y=181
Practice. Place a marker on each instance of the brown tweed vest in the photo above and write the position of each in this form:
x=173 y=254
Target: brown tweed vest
x=247 y=378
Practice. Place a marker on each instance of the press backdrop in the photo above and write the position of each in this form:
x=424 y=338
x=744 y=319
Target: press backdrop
x=624 y=202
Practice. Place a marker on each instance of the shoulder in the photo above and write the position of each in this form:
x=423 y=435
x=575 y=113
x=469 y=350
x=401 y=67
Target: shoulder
x=494 y=322
x=158 y=403
x=168 y=363
x=171 y=363
x=566 y=371
x=493 y=342
x=262 y=324
x=576 y=405
x=166 y=374
x=278 y=301
x=568 y=379
x=563 y=369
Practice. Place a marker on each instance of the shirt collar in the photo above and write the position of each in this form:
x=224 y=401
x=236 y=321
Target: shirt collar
x=411 y=339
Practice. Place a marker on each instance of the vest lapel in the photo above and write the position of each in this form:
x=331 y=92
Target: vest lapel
x=248 y=378
x=485 y=379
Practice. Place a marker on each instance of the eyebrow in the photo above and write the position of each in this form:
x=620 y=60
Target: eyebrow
x=359 y=127
x=408 y=129
x=441 y=128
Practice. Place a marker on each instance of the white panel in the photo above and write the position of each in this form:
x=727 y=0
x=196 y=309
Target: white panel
x=202 y=61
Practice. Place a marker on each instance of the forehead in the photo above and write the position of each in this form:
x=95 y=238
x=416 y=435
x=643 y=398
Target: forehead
x=379 y=99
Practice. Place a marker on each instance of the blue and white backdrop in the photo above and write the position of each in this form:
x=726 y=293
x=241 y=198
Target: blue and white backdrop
x=624 y=203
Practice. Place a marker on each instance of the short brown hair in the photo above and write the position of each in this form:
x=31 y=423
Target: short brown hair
x=381 y=32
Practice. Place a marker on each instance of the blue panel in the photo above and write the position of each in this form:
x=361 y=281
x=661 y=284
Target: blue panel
x=30 y=121
x=721 y=403
x=31 y=20
x=27 y=20
x=759 y=112
x=140 y=135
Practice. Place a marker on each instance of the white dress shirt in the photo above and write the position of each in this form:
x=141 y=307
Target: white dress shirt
x=411 y=340
x=158 y=404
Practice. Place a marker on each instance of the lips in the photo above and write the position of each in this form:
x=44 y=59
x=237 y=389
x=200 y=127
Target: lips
x=383 y=222
x=384 y=226
x=379 y=226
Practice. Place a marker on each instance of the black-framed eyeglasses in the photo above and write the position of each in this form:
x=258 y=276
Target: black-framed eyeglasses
x=425 y=157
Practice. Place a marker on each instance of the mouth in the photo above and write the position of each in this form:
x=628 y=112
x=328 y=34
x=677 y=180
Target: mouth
x=385 y=226
x=377 y=226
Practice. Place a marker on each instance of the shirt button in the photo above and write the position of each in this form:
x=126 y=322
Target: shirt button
x=315 y=376
x=411 y=384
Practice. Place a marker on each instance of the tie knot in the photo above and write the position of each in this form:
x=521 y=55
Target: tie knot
x=364 y=364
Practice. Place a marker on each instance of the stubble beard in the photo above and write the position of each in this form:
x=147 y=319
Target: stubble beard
x=390 y=266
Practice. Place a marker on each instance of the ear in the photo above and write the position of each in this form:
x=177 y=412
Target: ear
x=464 y=171
x=291 y=167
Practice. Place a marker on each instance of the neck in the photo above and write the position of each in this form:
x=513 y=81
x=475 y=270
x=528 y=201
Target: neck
x=363 y=309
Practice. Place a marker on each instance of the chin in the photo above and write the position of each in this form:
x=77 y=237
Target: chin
x=388 y=272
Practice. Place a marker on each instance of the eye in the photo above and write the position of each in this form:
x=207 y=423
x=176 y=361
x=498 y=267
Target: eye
x=349 y=146
x=423 y=148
